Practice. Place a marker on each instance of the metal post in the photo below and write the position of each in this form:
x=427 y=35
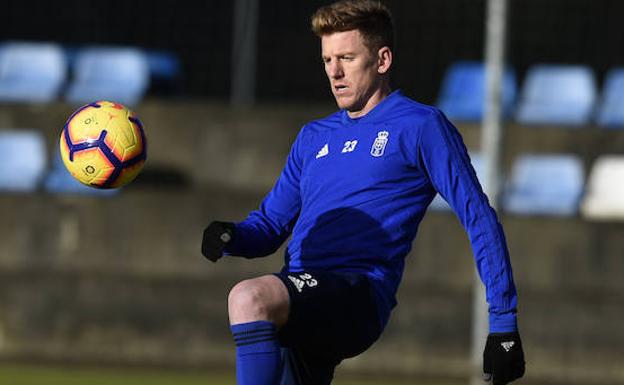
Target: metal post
x=244 y=49
x=491 y=143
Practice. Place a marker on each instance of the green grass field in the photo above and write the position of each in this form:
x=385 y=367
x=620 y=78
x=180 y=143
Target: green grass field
x=12 y=374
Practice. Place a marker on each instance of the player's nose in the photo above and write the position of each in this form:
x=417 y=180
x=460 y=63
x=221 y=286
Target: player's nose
x=334 y=70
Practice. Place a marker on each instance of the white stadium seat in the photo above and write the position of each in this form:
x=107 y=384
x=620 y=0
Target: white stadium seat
x=605 y=191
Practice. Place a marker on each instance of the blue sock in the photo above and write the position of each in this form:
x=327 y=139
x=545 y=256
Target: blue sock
x=258 y=355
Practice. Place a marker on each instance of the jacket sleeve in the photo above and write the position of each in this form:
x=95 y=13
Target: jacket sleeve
x=444 y=158
x=265 y=229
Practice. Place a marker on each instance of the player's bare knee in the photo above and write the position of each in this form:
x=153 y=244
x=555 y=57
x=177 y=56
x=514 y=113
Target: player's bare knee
x=257 y=299
x=247 y=302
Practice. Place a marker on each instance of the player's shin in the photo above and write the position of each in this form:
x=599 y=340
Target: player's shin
x=258 y=355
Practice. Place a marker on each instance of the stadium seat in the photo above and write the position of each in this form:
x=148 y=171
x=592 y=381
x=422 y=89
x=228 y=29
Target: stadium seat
x=611 y=108
x=31 y=72
x=462 y=97
x=545 y=185
x=605 y=189
x=115 y=74
x=165 y=72
x=562 y=95
x=439 y=204
x=163 y=64
x=22 y=160
x=59 y=181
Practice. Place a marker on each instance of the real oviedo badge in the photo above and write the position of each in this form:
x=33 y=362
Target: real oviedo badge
x=379 y=145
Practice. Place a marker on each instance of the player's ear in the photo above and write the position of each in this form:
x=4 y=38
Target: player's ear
x=384 y=59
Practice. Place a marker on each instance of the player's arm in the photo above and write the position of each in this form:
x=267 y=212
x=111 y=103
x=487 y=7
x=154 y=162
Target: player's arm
x=265 y=229
x=444 y=156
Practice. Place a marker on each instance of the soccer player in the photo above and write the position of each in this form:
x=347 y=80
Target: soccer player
x=354 y=189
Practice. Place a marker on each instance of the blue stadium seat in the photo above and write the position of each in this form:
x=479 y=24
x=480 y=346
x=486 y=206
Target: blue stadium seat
x=478 y=163
x=611 y=109
x=165 y=72
x=22 y=160
x=60 y=181
x=545 y=185
x=557 y=95
x=463 y=91
x=115 y=74
x=163 y=64
x=31 y=72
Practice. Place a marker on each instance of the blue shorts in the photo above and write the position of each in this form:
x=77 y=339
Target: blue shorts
x=332 y=316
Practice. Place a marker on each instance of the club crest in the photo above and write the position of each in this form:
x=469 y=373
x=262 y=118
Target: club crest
x=379 y=145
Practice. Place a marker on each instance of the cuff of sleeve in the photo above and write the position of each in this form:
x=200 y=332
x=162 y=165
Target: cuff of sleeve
x=503 y=323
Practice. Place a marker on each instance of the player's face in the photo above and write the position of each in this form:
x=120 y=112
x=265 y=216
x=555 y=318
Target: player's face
x=355 y=73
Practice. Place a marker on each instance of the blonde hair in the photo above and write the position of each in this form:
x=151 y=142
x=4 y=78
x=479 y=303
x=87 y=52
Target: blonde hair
x=371 y=18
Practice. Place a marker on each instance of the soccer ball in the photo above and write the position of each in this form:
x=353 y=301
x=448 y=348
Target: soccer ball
x=103 y=145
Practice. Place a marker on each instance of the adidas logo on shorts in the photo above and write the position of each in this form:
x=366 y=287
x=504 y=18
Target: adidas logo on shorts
x=508 y=345
x=303 y=280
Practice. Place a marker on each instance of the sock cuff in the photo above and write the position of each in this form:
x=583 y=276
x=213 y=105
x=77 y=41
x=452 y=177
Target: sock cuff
x=253 y=333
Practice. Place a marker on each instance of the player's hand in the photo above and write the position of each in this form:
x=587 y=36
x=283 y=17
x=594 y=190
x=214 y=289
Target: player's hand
x=503 y=358
x=216 y=236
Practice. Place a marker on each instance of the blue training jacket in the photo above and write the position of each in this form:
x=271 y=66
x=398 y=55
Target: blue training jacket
x=353 y=192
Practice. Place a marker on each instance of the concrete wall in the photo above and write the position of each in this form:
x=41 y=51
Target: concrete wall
x=121 y=280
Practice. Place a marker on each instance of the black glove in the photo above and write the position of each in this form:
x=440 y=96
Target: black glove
x=216 y=236
x=503 y=358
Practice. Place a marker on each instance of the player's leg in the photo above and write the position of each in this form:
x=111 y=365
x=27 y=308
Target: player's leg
x=257 y=308
x=332 y=316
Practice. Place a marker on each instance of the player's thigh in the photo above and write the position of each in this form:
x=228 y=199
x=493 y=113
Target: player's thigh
x=300 y=368
x=331 y=314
